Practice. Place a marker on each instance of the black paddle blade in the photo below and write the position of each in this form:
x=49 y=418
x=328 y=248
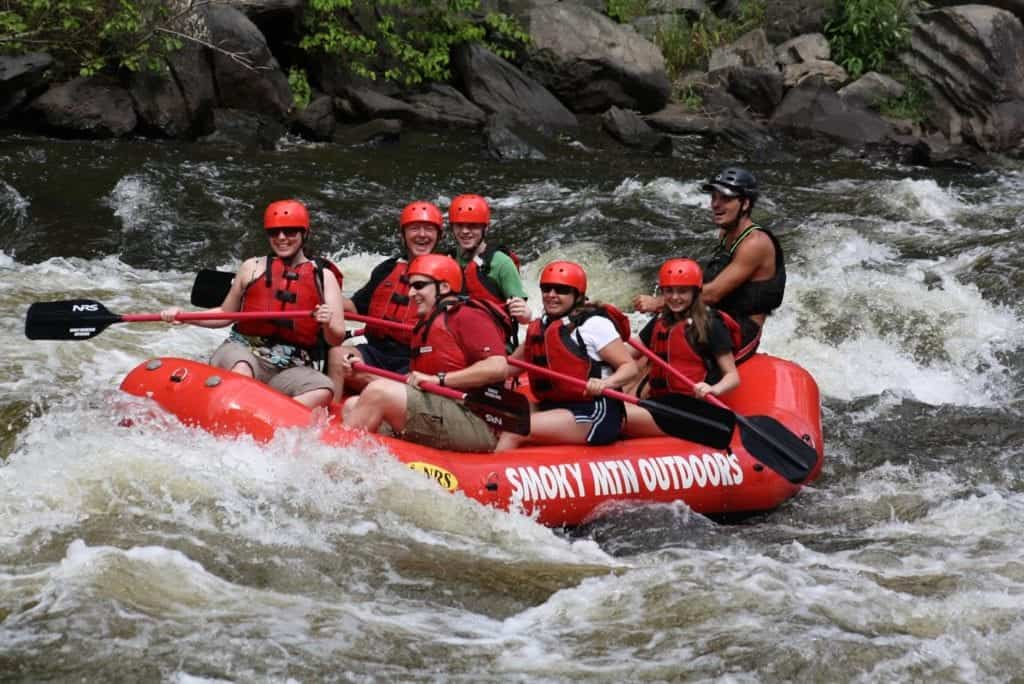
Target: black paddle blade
x=72 y=319
x=691 y=419
x=210 y=288
x=773 y=444
x=501 y=408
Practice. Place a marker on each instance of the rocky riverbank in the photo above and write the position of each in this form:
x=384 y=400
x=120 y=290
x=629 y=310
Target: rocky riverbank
x=761 y=95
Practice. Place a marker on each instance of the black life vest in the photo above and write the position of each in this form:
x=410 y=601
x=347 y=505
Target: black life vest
x=751 y=297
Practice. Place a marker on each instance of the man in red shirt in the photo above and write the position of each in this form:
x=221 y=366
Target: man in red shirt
x=458 y=343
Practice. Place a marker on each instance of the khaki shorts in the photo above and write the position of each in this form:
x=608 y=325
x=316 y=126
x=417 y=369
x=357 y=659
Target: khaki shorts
x=291 y=381
x=445 y=424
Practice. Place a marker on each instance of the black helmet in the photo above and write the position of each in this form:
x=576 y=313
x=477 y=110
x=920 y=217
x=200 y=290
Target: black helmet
x=733 y=182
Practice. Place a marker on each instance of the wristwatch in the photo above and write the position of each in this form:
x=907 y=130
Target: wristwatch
x=440 y=378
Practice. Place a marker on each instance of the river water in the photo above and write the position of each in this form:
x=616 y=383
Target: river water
x=160 y=553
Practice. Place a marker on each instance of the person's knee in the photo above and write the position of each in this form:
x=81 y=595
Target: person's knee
x=318 y=397
x=243 y=368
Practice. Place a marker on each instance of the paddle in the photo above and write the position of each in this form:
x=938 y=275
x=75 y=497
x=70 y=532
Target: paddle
x=500 y=408
x=680 y=416
x=210 y=288
x=82 y=319
x=767 y=440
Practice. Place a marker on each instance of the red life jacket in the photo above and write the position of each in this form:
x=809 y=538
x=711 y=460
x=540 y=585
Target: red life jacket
x=435 y=348
x=557 y=345
x=670 y=342
x=283 y=288
x=481 y=287
x=390 y=300
x=478 y=284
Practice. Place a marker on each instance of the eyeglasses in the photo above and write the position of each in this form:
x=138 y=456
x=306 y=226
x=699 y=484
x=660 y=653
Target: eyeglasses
x=557 y=289
x=420 y=284
x=287 y=232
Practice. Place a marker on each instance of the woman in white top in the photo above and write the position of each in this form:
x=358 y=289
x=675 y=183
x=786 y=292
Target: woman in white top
x=579 y=339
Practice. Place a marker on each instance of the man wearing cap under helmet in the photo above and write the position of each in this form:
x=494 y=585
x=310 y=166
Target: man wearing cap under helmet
x=746 y=275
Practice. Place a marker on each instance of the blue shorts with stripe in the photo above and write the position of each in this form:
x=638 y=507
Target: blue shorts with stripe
x=605 y=416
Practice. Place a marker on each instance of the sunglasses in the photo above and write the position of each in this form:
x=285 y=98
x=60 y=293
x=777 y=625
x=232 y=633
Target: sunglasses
x=420 y=284
x=287 y=232
x=557 y=289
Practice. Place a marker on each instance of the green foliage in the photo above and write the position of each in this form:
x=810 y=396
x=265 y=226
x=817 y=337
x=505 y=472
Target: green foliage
x=88 y=36
x=301 y=92
x=689 y=96
x=866 y=35
x=625 y=11
x=407 y=41
x=913 y=105
x=689 y=44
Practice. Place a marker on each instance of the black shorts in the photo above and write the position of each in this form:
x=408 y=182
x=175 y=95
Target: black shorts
x=605 y=416
x=374 y=356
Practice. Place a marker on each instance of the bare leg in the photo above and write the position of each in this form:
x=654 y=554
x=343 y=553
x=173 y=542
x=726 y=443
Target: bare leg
x=643 y=364
x=557 y=426
x=242 y=368
x=314 y=398
x=381 y=401
x=347 y=408
x=336 y=369
x=639 y=423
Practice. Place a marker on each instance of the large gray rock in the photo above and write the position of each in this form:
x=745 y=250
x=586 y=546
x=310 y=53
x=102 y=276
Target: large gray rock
x=21 y=76
x=812 y=109
x=371 y=133
x=972 y=58
x=246 y=73
x=759 y=89
x=630 y=129
x=179 y=102
x=785 y=19
x=91 y=107
x=591 y=63
x=443 y=105
x=795 y=74
x=870 y=89
x=497 y=87
x=752 y=49
x=507 y=140
x=741 y=133
x=1015 y=7
x=244 y=130
x=317 y=121
x=805 y=48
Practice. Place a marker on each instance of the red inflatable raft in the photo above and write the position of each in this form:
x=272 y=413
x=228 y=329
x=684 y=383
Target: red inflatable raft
x=560 y=485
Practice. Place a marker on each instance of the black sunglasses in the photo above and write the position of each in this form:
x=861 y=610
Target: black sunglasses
x=558 y=289
x=420 y=284
x=287 y=232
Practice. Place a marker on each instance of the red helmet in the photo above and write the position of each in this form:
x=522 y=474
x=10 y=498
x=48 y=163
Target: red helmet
x=440 y=267
x=680 y=273
x=565 y=273
x=286 y=214
x=469 y=209
x=417 y=212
